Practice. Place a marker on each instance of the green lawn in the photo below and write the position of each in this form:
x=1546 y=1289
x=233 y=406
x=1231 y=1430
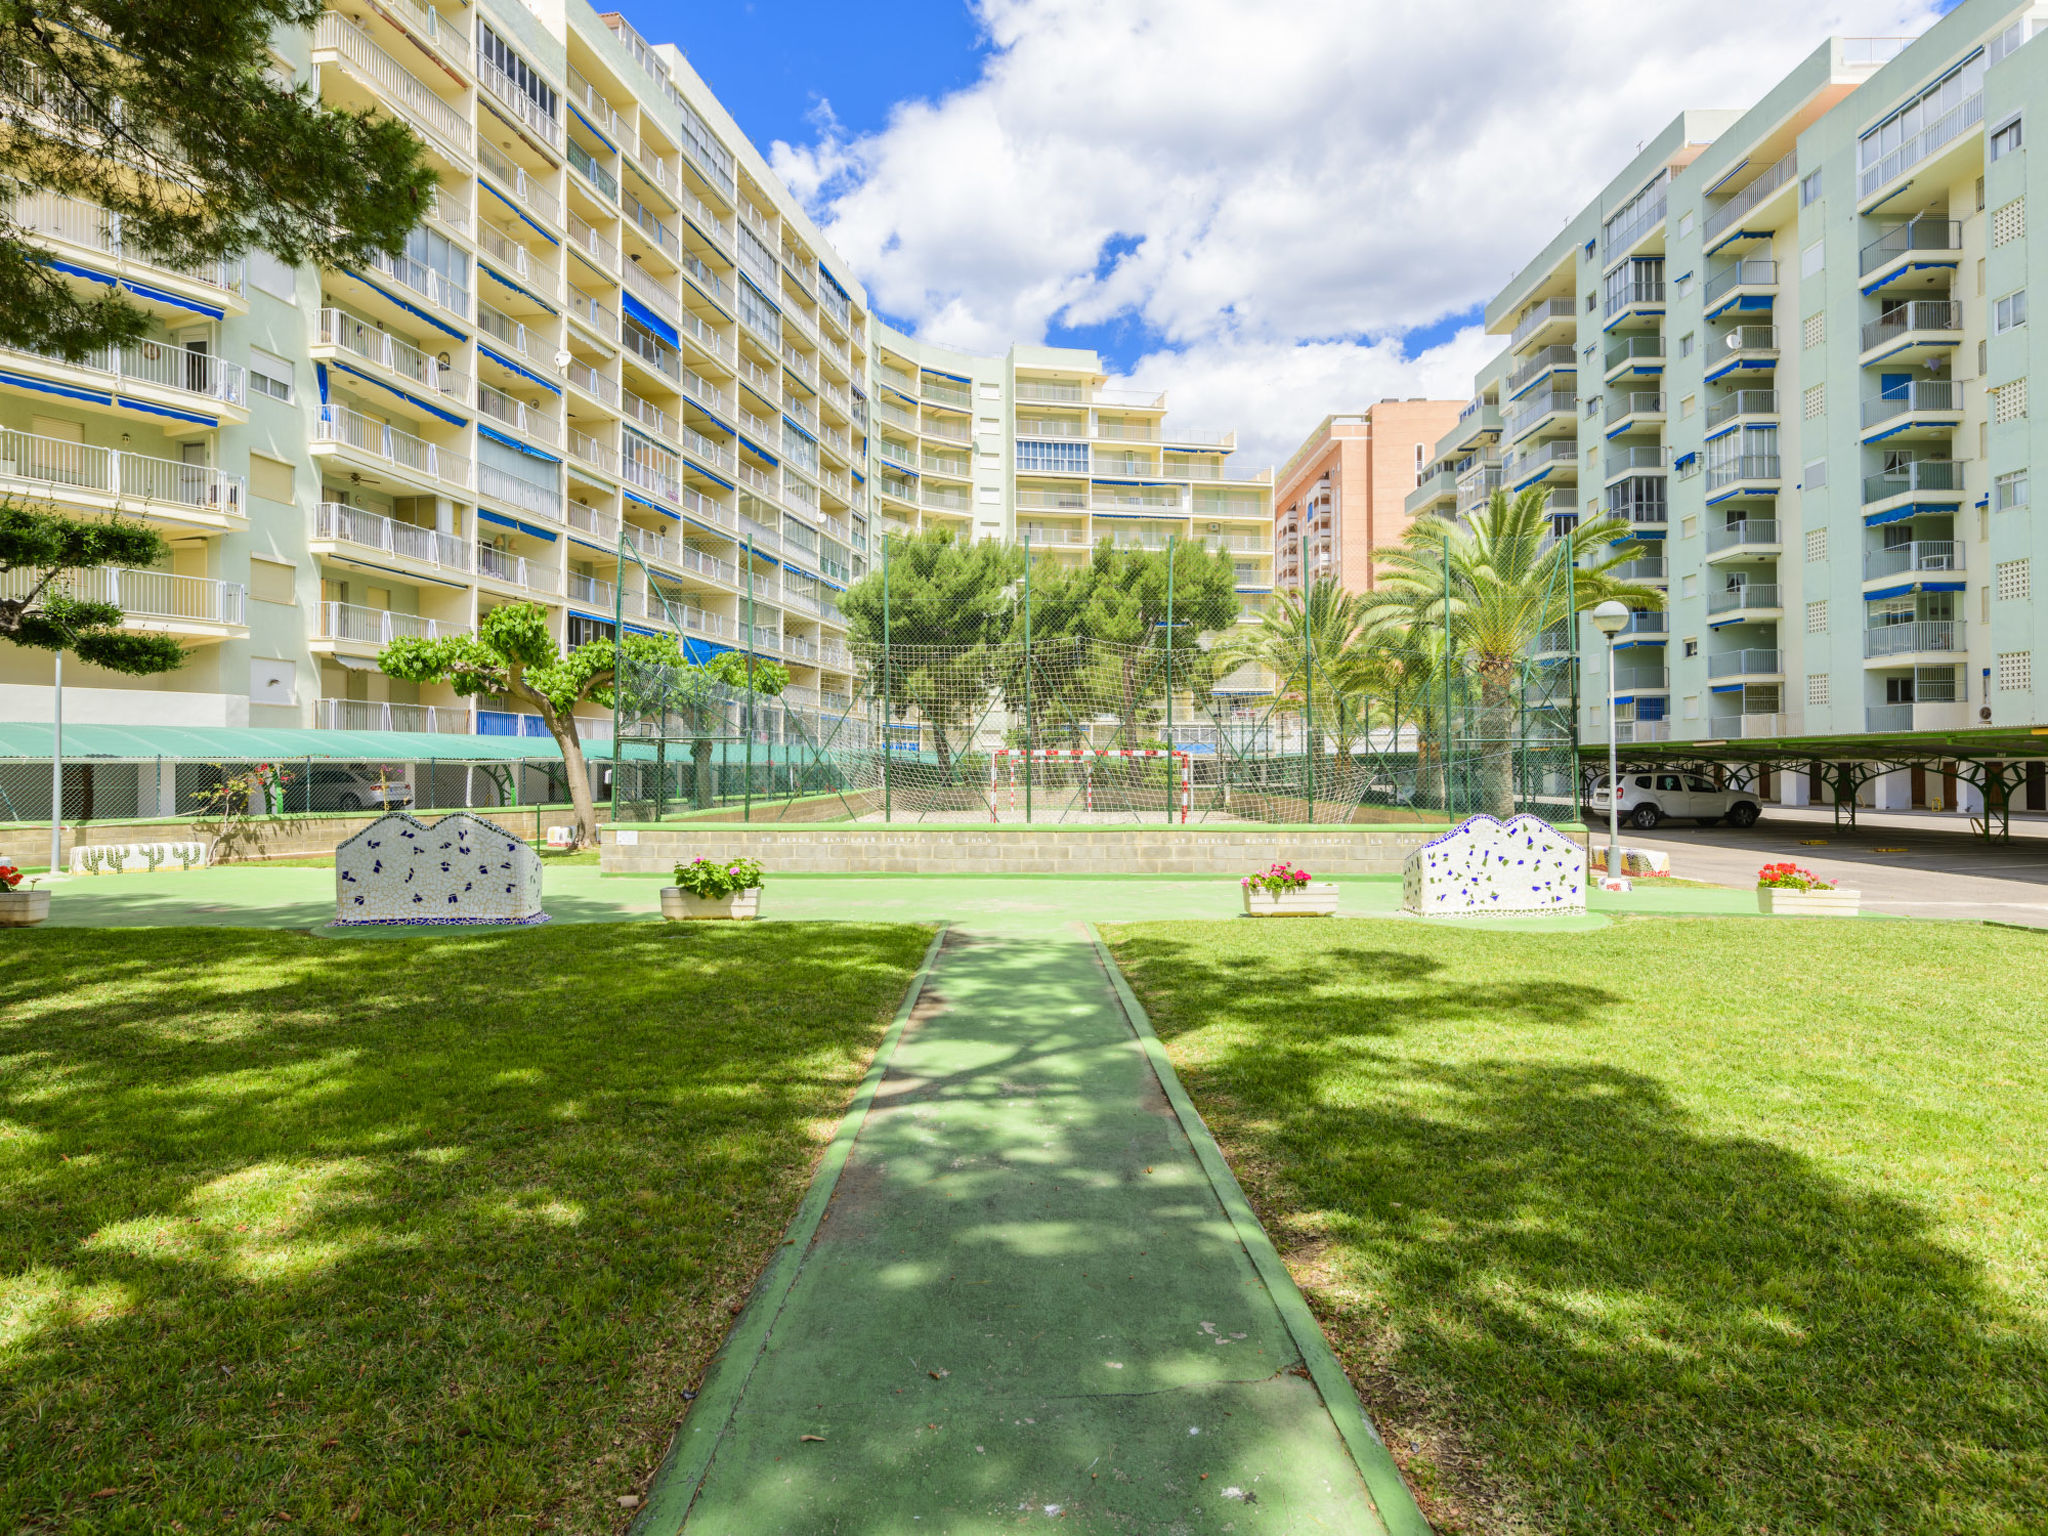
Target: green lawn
x=432 y=1235
x=1709 y=1225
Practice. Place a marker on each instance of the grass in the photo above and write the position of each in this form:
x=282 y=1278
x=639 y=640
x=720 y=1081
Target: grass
x=434 y=1235
x=1722 y=1225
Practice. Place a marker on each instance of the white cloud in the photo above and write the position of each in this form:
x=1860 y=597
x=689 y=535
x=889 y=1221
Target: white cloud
x=1291 y=187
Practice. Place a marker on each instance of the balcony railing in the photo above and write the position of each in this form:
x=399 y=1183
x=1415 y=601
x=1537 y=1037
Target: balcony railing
x=1748 y=466
x=91 y=227
x=511 y=95
x=1545 y=360
x=1563 y=450
x=1744 y=338
x=591 y=382
x=162 y=364
x=375 y=626
x=587 y=167
x=1752 y=273
x=1749 y=530
x=407 y=94
x=1750 y=594
x=598 y=316
x=371 y=530
x=1534 y=409
x=1946 y=129
x=501 y=565
x=516 y=414
x=1628 y=295
x=1910 y=479
x=527 y=189
x=1745 y=663
x=423 y=280
x=1726 y=216
x=1937 y=315
x=1919 y=555
x=58 y=465
x=1744 y=402
x=1538 y=315
x=1914 y=235
x=1918 y=395
x=354 y=334
x=582 y=232
x=503 y=251
x=156 y=595
x=1634 y=349
x=365 y=715
x=1635 y=456
x=1634 y=403
x=1920 y=635
x=351 y=429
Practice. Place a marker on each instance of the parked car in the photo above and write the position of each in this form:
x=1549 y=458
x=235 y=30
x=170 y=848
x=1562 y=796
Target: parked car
x=1648 y=798
x=356 y=789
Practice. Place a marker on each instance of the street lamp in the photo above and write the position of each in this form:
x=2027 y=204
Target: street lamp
x=1611 y=618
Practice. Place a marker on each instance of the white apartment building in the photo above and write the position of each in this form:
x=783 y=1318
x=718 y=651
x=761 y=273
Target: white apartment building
x=616 y=320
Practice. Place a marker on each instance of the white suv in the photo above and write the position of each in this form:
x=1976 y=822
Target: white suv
x=355 y=789
x=1647 y=798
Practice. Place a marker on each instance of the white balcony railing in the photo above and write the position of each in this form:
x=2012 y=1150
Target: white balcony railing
x=514 y=178
x=351 y=429
x=58 y=465
x=357 y=625
x=512 y=96
x=367 y=715
x=364 y=339
x=91 y=227
x=160 y=365
x=517 y=570
x=410 y=97
x=423 y=280
x=511 y=412
x=142 y=595
x=406 y=541
x=500 y=485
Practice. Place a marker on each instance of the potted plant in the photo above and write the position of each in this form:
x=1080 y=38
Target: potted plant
x=1786 y=890
x=1284 y=891
x=20 y=908
x=704 y=889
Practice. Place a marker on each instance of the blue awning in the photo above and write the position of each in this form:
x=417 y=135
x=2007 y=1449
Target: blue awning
x=525 y=293
x=799 y=431
x=411 y=309
x=140 y=290
x=501 y=197
x=642 y=501
x=513 y=442
x=1725 y=688
x=431 y=410
x=512 y=522
x=586 y=122
x=524 y=373
x=25 y=381
x=1900 y=514
x=165 y=410
x=648 y=318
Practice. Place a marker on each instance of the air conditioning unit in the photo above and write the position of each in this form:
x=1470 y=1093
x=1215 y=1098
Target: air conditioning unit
x=1984 y=713
x=1215 y=527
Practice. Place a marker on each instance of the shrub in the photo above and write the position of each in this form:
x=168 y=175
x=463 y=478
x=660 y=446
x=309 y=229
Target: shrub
x=701 y=877
x=1790 y=877
x=1278 y=879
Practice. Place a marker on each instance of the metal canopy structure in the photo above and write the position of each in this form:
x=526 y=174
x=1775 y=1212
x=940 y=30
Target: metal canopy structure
x=1994 y=761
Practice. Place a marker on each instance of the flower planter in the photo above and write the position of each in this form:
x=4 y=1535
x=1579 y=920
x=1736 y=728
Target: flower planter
x=1316 y=899
x=1779 y=901
x=23 y=909
x=679 y=905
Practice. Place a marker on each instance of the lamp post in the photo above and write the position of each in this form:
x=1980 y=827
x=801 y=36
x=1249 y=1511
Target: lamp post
x=1611 y=618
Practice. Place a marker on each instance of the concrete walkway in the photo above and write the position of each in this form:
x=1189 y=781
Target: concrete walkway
x=1027 y=1300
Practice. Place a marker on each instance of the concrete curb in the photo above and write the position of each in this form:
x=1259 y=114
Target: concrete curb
x=1398 y=1511
x=675 y=1483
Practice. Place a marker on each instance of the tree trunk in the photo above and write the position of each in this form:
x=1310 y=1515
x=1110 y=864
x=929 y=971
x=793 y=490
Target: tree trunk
x=701 y=770
x=575 y=770
x=1497 y=744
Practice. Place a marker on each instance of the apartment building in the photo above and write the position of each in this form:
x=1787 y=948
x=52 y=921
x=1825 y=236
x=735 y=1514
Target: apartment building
x=616 y=321
x=1352 y=486
x=1790 y=346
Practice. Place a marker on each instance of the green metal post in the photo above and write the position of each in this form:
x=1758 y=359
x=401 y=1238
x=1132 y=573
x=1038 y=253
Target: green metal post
x=1308 y=698
x=1450 y=811
x=1030 y=734
x=619 y=661
x=749 y=653
x=1169 y=679
x=888 y=747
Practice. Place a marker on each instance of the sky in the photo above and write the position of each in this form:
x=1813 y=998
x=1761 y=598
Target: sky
x=1273 y=211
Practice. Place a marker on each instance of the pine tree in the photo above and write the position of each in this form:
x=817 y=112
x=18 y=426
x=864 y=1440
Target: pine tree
x=39 y=551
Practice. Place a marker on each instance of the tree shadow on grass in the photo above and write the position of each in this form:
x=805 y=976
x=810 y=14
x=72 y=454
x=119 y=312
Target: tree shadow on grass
x=1628 y=1322
x=419 y=1236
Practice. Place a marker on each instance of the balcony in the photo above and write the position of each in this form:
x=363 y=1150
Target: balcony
x=1756 y=472
x=1645 y=628
x=509 y=256
x=115 y=480
x=515 y=415
x=1762 y=724
x=1558 y=358
x=525 y=189
x=1743 y=402
x=1544 y=319
x=387 y=537
x=1747 y=537
x=1534 y=412
x=1742 y=348
x=586 y=166
x=586 y=310
x=153 y=602
x=365 y=715
x=444 y=126
x=1642 y=297
x=1541 y=462
x=1749 y=600
x=1910 y=559
x=1631 y=410
x=1745 y=284
x=1476 y=487
x=1635 y=354
x=1639 y=500
x=1937 y=482
x=1912 y=332
x=1920 y=637
x=508 y=94
x=424 y=281
x=1745 y=663
x=1724 y=225
x=1641 y=568
x=1918 y=409
x=1921 y=715
x=339 y=331
x=54 y=218
x=1943 y=131
x=161 y=370
x=1642 y=679
x=360 y=437
x=350 y=624
x=1919 y=253
x=599 y=386
x=516 y=570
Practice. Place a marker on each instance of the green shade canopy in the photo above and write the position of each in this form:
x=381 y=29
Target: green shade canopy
x=287 y=744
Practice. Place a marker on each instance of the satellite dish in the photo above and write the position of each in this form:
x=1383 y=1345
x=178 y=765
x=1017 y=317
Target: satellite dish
x=1733 y=340
x=562 y=359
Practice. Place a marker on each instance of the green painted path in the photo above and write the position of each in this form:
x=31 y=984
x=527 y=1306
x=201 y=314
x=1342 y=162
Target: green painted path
x=1025 y=1301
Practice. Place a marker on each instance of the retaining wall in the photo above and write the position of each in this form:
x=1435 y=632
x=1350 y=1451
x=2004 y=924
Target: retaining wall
x=1017 y=850
x=281 y=837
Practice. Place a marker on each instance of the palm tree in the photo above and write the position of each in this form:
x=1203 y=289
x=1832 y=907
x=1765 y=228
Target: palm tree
x=1482 y=591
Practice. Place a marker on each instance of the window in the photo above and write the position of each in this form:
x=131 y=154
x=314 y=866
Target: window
x=270 y=375
x=1980 y=277
x=1813 y=258
x=1691 y=648
x=1592 y=302
x=2008 y=222
x=1692 y=706
x=271 y=582
x=2015 y=671
x=1685 y=222
x=1817 y=617
x=1683 y=286
x=2009 y=401
x=756 y=311
x=1813 y=329
x=1980 y=194
x=2005 y=139
x=1685 y=406
x=273 y=276
x=1689 y=586
x=1815 y=476
x=584 y=631
x=1689 y=528
x=1685 y=345
x=1816 y=690
x=1814 y=402
x=1051 y=457
x=2009 y=311
x=990 y=495
x=1809 y=189
x=522 y=74
x=991 y=391
x=271 y=479
x=1934 y=117
x=2015 y=580
x=2009 y=491
x=1983 y=357
x=1816 y=544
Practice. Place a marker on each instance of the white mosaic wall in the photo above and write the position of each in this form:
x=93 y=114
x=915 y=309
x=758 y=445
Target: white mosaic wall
x=460 y=870
x=1487 y=867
